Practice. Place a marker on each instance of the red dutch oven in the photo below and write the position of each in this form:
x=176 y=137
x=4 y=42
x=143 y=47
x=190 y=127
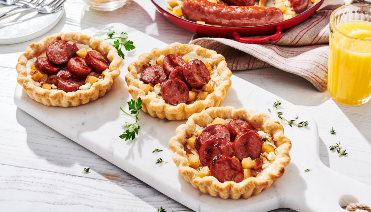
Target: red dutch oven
x=272 y=30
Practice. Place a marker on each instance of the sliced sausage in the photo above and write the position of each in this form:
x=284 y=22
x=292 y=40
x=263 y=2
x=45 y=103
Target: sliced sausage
x=172 y=62
x=299 y=5
x=52 y=79
x=214 y=147
x=196 y=74
x=240 y=2
x=238 y=126
x=216 y=131
x=68 y=82
x=174 y=92
x=75 y=48
x=177 y=74
x=78 y=66
x=44 y=65
x=224 y=168
x=153 y=74
x=96 y=61
x=230 y=16
x=59 y=52
x=248 y=144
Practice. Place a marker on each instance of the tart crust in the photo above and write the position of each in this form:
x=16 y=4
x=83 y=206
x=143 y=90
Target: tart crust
x=181 y=111
x=247 y=187
x=59 y=97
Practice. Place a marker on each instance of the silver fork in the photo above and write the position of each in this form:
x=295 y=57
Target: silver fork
x=24 y=7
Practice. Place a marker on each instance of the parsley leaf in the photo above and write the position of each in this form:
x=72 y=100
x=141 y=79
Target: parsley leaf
x=132 y=129
x=119 y=42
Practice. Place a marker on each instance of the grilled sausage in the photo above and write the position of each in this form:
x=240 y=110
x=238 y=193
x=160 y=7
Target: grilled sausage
x=172 y=62
x=299 y=5
x=214 y=147
x=238 y=126
x=59 y=52
x=174 y=91
x=217 y=131
x=224 y=168
x=230 y=16
x=240 y=2
x=68 y=82
x=248 y=144
x=78 y=66
x=196 y=74
x=44 y=65
x=96 y=61
x=153 y=74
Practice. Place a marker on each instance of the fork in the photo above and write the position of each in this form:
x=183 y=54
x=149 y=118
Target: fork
x=24 y=7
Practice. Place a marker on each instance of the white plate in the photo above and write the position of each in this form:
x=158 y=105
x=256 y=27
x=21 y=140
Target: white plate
x=28 y=25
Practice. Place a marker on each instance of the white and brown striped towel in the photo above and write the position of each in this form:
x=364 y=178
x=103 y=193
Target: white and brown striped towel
x=301 y=50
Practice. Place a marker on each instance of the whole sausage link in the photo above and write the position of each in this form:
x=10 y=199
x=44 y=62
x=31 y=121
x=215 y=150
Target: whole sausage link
x=230 y=16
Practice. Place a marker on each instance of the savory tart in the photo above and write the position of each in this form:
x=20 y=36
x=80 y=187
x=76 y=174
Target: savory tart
x=230 y=153
x=68 y=69
x=179 y=80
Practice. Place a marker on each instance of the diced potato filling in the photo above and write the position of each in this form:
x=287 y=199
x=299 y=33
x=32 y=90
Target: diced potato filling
x=82 y=52
x=193 y=161
x=177 y=11
x=267 y=147
x=191 y=141
x=202 y=95
x=185 y=58
x=199 y=132
x=208 y=66
x=47 y=86
x=91 y=79
x=36 y=77
x=246 y=173
x=247 y=163
x=192 y=96
x=160 y=60
x=146 y=88
x=203 y=171
x=209 y=88
x=219 y=121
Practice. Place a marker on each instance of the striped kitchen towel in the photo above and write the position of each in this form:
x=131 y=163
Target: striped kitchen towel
x=302 y=50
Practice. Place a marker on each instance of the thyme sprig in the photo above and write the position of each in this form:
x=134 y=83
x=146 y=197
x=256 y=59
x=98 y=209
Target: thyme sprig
x=307 y=170
x=338 y=149
x=161 y=209
x=157 y=150
x=290 y=122
x=132 y=129
x=86 y=170
x=332 y=131
x=119 y=42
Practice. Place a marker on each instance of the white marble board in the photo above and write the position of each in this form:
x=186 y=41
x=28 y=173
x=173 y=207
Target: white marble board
x=97 y=126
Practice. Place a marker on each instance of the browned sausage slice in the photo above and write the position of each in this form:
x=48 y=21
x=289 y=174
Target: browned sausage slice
x=174 y=92
x=96 y=61
x=44 y=65
x=74 y=47
x=59 y=52
x=224 y=168
x=68 y=82
x=238 y=126
x=196 y=74
x=299 y=5
x=248 y=144
x=77 y=66
x=216 y=131
x=240 y=2
x=177 y=74
x=230 y=16
x=214 y=147
x=153 y=74
x=172 y=62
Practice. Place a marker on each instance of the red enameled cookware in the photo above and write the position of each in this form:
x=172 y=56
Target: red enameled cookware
x=238 y=32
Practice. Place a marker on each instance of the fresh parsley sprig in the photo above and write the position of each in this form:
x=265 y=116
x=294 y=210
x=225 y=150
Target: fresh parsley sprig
x=338 y=149
x=119 y=42
x=132 y=129
x=290 y=122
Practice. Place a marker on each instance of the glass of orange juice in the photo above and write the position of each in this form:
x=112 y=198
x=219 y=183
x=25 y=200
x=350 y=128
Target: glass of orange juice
x=349 y=68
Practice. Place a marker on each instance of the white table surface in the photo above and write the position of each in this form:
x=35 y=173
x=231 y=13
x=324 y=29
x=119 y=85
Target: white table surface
x=41 y=170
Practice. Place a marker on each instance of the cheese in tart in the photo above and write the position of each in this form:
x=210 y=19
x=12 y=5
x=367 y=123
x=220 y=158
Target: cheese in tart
x=68 y=69
x=179 y=80
x=230 y=153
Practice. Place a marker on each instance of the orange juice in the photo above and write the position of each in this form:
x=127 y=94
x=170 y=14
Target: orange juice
x=349 y=71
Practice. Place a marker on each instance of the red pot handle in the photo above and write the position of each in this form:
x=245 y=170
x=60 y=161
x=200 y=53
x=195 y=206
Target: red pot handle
x=266 y=39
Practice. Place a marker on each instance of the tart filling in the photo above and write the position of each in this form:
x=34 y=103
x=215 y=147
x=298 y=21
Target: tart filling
x=179 y=80
x=230 y=153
